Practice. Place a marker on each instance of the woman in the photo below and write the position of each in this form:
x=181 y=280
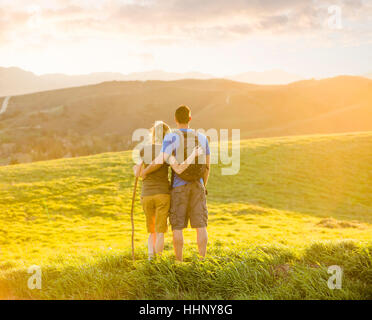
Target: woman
x=155 y=195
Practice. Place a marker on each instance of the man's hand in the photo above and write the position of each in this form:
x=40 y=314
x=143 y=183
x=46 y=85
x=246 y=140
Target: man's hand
x=154 y=165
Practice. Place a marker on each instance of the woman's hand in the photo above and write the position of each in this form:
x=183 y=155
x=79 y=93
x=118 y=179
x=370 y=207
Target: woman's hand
x=135 y=170
x=138 y=169
x=143 y=174
x=197 y=152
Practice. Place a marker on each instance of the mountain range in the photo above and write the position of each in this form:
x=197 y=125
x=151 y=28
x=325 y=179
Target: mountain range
x=15 y=81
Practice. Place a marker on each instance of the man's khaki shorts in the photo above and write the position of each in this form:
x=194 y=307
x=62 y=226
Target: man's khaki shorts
x=188 y=202
x=156 y=209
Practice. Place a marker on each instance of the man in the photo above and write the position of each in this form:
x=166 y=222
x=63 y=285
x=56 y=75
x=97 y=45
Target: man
x=188 y=199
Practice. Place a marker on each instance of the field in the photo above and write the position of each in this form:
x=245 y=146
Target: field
x=299 y=205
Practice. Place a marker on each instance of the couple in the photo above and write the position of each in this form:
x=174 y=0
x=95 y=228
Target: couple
x=185 y=198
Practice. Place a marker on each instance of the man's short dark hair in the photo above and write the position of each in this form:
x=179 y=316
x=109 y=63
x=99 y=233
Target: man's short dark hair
x=183 y=114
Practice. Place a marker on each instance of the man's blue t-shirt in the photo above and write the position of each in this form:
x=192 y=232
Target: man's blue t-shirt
x=171 y=143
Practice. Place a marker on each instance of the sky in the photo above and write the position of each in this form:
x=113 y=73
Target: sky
x=309 y=38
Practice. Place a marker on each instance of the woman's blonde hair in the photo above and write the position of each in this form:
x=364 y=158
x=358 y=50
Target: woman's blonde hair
x=158 y=132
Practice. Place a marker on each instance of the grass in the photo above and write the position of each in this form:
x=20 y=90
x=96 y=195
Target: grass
x=299 y=205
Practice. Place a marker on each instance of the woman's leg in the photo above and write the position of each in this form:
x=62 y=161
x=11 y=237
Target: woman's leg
x=151 y=245
x=162 y=204
x=159 y=243
x=149 y=209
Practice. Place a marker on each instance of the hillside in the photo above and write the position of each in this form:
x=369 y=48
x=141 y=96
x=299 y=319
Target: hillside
x=268 y=77
x=99 y=118
x=298 y=205
x=15 y=81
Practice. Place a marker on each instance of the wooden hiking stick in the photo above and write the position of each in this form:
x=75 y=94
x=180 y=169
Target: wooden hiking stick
x=131 y=215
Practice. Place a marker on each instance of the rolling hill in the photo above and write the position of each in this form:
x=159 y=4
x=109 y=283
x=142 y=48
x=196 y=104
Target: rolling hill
x=98 y=118
x=15 y=81
x=266 y=77
x=297 y=206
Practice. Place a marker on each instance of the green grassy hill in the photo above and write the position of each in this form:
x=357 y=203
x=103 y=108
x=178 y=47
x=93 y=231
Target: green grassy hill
x=299 y=205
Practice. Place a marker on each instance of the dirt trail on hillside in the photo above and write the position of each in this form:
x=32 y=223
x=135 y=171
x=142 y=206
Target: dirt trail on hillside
x=5 y=105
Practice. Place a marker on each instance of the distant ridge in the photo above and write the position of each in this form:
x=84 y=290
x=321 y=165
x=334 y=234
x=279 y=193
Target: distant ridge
x=16 y=81
x=266 y=77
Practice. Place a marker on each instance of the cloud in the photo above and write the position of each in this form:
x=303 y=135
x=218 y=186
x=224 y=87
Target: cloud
x=170 y=21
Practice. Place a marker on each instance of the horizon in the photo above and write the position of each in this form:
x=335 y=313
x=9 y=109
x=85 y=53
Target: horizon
x=213 y=76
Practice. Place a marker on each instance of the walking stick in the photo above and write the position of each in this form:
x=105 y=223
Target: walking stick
x=131 y=215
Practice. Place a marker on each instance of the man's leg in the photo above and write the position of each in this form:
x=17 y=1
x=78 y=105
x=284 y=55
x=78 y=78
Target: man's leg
x=159 y=244
x=199 y=216
x=178 y=218
x=202 y=239
x=178 y=244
